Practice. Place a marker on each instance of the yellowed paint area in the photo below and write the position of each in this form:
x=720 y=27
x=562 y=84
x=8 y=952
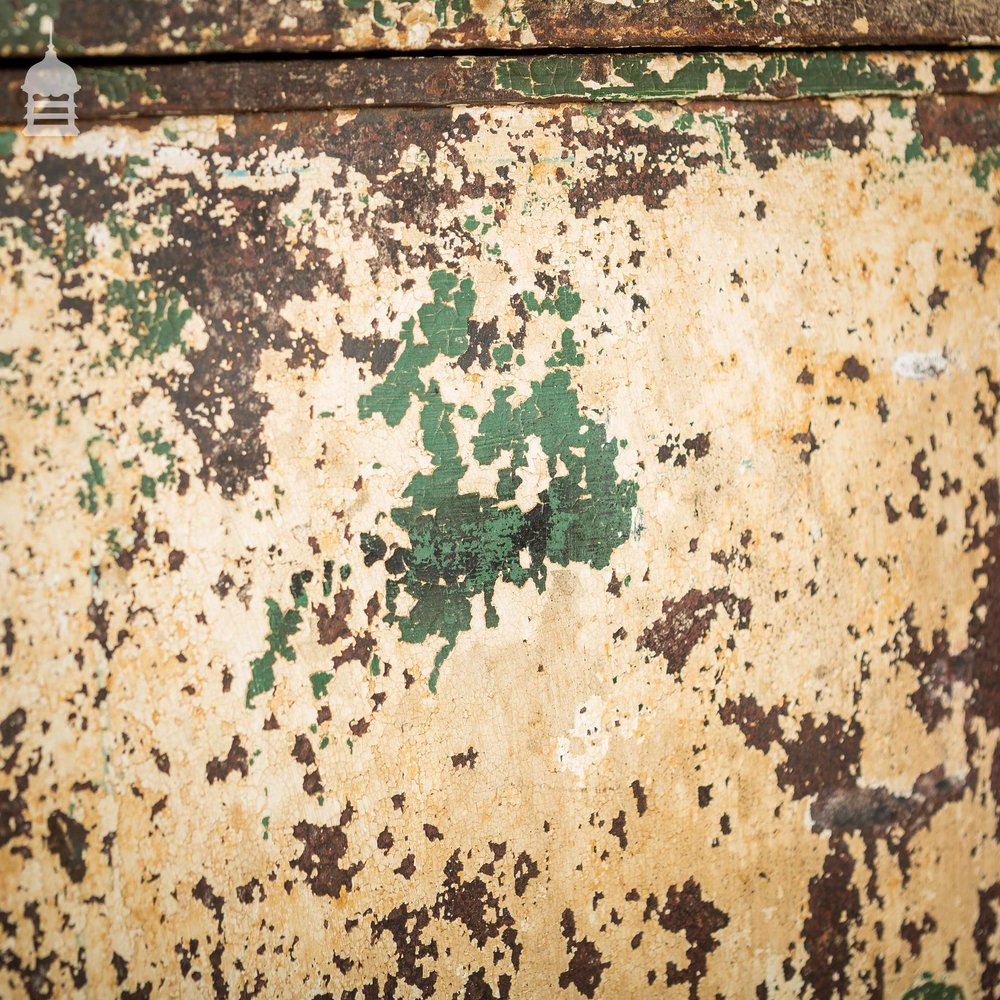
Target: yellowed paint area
x=743 y=757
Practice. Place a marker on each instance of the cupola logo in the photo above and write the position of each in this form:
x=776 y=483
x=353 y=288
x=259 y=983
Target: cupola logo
x=51 y=88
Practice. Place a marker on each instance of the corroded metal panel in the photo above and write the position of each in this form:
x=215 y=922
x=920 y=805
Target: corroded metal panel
x=211 y=87
x=517 y=551
x=172 y=27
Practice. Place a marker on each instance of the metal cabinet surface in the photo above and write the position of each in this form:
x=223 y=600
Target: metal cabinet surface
x=505 y=524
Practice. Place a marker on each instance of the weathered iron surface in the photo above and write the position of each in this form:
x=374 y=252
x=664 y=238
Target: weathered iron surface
x=157 y=27
x=316 y=84
x=519 y=551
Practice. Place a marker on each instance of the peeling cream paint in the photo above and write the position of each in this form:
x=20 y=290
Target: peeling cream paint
x=502 y=552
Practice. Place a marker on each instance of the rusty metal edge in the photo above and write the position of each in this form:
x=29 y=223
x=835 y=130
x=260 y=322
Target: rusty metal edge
x=164 y=27
x=223 y=87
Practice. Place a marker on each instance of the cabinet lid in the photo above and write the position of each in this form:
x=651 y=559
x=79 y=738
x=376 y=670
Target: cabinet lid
x=231 y=86
x=172 y=27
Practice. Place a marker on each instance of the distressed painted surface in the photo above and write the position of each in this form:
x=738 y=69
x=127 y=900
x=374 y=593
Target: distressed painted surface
x=315 y=84
x=503 y=552
x=153 y=27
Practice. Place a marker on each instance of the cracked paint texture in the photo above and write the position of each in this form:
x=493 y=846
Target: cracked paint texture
x=495 y=552
x=157 y=27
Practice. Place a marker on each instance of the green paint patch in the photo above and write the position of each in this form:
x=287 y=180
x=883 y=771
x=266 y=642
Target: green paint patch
x=929 y=989
x=684 y=122
x=566 y=303
x=373 y=547
x=298 y=587
x=444 y=324
x=113 y=544
x=122 y=230
x=724 y=130
x=7 y=143
x=914 y=149
x=462 y=544
x=19 y=24
x=155 y=444
x=480 y=226
x=380 y=17
x=986 y=162
x=503 y=354
x=156 y=458
x=156 y=318
x=131 y=162
x=117 y=86
x=75 y=246
x=319 y=681
x=897 y=110
x=824 y=152
x=568 y=355
x=282 y=625
x=830 y=73
x=645 y=78
x=90 y=495
x=451 y=13
x=66 y=249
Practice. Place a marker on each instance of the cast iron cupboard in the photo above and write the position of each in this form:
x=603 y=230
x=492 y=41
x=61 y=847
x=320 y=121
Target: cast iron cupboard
x=499 y=498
